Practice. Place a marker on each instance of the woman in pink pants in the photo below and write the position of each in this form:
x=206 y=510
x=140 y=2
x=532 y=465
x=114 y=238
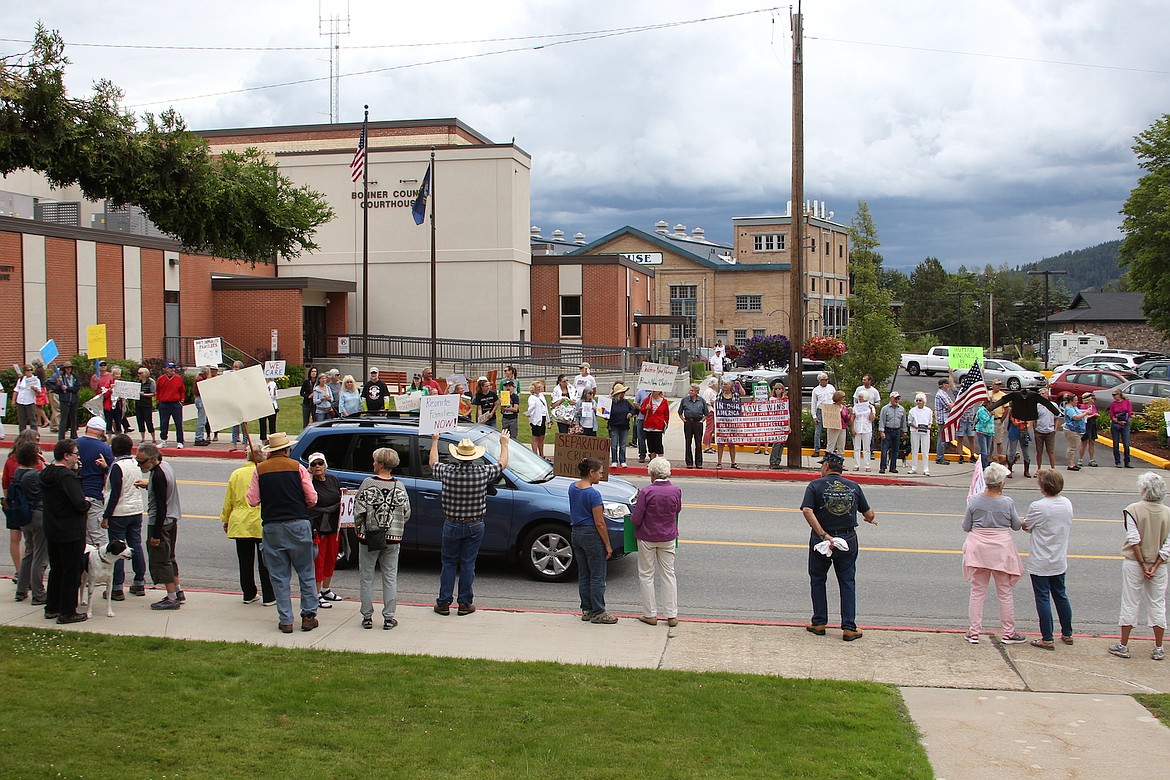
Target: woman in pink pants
x=989 y=553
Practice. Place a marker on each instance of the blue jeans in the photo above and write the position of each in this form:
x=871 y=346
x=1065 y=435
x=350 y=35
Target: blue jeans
x=891 y=443
x=1120 y=436
x=200 y=420
x=167 y=411
x=1053 y=586
x=844 y=563
x=818 y=431
x=461 y=543
x=985 y=443
x=617 y=446
x=128 y=528
x=640 y=437
x=287 y=547
x=940 y=446
x=589 y=553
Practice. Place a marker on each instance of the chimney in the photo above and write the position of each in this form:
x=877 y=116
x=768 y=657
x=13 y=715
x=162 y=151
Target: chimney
x=558 y=235
x=661 y=226
x=535 y=230
x=698 y=234
x=578 y=238
x=680 y=230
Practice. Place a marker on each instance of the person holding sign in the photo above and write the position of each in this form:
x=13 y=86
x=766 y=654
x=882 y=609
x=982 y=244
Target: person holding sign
x=921 y=418
x=67 y=389
x=621 y=412
x=564 y=396
x=144 y=408
x=585 y=414
x=656 y=411
x=27 y=388
x=510 y=407
x=724 y=442
x=486 y=400
x=776 y=455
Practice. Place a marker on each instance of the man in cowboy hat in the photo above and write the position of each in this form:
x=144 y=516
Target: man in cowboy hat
x=465 y=486
x=284 y=491
x=830 y=508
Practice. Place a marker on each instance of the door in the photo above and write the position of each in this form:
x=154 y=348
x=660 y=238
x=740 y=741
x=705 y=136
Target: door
x=171 y=329
x=314 y=321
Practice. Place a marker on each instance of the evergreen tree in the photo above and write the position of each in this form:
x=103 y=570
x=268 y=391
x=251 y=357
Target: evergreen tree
x=1145 y=250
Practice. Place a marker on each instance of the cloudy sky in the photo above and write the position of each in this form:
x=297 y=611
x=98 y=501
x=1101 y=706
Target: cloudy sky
x=992 y=132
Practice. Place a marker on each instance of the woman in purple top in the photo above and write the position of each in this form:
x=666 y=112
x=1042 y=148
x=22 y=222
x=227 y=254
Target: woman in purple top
x=656 y=527
x=1120 y=413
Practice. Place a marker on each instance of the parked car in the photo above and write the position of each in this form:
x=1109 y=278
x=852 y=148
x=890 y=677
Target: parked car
x=1013 y=375
x=936 y=360
x=527 y=511
x=809 y=369
x=1107 y=362
x=1154 y=369
x=1139 y=355
x=1139 y=392
x=1089 y=380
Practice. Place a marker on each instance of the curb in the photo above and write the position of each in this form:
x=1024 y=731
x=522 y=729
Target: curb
x=773 y=475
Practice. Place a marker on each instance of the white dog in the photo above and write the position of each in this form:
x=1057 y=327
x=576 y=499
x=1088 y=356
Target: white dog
x=97 y=566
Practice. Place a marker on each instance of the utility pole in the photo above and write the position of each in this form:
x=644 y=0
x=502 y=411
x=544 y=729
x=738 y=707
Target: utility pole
x=1044 y=335
x=796 y=274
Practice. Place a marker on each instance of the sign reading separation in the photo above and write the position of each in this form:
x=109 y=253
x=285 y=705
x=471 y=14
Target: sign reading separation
x=571 y=450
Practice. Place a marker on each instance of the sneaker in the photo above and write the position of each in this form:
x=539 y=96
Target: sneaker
x=972 y=637
x=179 y=446
x=604 y=618
x=180 y=596
x=1159 y=654
x=849 y=634
x=21 y=596
x=1093 y=463
x=367 y=622
x=163 y=444
x=51 y=615
x=166 y=603
x=443 y=609
x=137 y=590
x=1119 y=650
x=1013 y=639
x=465 y=609
x=270 y=603
x=309 y=622
x=330 y=595
x=389 y=623
x=926 y=473
x=323 y=602
x=252 y=600
x=815 y=628
x=39 y=601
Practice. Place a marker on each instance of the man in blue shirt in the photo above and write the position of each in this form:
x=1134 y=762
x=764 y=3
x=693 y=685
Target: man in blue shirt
x=830 y=508
x=96 y=458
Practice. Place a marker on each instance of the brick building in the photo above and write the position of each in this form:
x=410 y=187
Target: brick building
x=590 y=299
x=1116 y=316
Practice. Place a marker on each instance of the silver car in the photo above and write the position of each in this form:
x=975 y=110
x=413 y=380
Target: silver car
x=1013 y=375
x=1138 y=392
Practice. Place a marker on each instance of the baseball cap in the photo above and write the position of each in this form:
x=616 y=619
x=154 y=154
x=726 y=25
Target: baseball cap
x=895 y=394
x=170 y=365
x=373 y=369
x=318 y=456
x=997 y=381
x=96 y=423
x=833 y=459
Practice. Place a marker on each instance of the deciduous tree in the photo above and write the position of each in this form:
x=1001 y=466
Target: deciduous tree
x=1145 y=250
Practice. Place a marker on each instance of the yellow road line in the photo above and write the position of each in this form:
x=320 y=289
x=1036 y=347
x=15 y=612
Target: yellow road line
x=198 y=482
x=794 y=510
x=873 y=549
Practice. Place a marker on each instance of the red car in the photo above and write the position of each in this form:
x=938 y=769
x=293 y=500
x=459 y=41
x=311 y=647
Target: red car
x=1088 y=380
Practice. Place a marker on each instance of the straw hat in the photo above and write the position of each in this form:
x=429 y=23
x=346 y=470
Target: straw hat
x=279 y=441
x=619 y=388
x=464 y=450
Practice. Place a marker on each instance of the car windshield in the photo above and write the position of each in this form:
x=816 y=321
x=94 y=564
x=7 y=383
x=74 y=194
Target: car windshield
x=522 y=462
x=1010 y=366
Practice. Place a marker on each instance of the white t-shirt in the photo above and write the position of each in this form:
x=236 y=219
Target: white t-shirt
x=580 y=382
x=863 y=417
x=822 y=395
x=875 y=397
x=923 y=416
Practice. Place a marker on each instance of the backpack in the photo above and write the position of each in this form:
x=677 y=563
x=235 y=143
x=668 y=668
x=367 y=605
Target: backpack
x=17 y=509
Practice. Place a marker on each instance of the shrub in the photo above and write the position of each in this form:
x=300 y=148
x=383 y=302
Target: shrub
x=1153 y=417
x=1030 y=365
x=766 y=351
x=823 y=348
x=294 y=376
x=698 y=370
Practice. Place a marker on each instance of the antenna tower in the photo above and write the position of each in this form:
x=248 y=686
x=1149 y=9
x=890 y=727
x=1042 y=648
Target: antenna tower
x=333 y=25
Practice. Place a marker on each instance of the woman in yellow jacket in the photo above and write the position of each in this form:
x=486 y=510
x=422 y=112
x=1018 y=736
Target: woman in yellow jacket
x=242 y=523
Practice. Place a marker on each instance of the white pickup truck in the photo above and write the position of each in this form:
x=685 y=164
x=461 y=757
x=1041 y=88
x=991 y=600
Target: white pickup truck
x=935 y=361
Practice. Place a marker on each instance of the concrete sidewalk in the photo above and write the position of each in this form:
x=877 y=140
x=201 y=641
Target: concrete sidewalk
x=1018 y=709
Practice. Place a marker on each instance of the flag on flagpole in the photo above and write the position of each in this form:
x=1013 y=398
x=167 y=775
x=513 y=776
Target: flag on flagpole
x=357 y=166
x=972 y=393
x=419 y=209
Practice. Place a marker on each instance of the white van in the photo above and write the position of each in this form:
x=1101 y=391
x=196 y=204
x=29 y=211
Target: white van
x=1068 y=347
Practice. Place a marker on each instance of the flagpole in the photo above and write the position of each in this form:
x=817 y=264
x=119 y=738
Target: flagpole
x=366 y=249
x=434 y=264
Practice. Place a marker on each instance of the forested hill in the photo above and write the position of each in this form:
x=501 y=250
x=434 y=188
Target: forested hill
x=1088 y=269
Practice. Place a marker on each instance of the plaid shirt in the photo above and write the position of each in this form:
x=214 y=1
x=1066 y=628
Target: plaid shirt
x=465 y=487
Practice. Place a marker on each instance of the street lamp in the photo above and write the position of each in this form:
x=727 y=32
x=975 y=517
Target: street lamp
x=1044 y=335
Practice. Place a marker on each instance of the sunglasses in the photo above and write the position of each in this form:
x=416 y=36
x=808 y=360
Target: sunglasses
x=317 y=463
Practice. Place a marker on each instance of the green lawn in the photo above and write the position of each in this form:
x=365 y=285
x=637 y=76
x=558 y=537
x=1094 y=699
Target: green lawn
x=1157 y=703
x=108 y=706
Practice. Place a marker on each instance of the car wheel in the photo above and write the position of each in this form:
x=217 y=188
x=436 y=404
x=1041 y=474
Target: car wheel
x=1013 y=383
x=547 y=553
x=913 y=370
x=347 y=549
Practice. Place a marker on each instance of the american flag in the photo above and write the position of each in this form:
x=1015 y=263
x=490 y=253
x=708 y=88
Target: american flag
x=972 y=393
x=357 y=166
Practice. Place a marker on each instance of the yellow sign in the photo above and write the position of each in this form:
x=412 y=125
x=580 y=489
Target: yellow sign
x=95 y=337
x=964 y=357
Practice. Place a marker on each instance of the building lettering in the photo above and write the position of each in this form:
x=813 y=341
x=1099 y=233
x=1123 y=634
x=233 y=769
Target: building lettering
x=385 y=199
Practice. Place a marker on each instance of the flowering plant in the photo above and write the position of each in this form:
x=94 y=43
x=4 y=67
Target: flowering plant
x=823 y=348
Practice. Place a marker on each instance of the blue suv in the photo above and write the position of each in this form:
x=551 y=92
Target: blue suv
x=527 y=511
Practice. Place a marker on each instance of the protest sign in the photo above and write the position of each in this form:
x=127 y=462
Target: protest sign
x=3 y=403
x=208 y=352
x=94 y=406
x=231 y=399
x=128 y=390
x=347 y=501
x=604 y=404
x=657 y=376
x=437 y=413
x=408 y=402
x=751 y=422
x=964 y=357
x=273 y=369
x=760 y=391
x=95 y=339
x=460 y=379
x=570 y=451
x=49 y=352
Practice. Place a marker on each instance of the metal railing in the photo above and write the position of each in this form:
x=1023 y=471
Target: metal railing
x=181 y=350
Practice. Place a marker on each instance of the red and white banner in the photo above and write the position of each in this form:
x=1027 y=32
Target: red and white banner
x=751 y=422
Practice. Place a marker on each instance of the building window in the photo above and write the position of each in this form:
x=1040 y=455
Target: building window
x=828 y=249
x=769 y=242
x=814 y=244
x=684 y=302
x=813 y=281
x=759 y=333
x=749 y=303
x=740 y=336
x=840 y=250
x=570 y=316
x=840 y=288
x=721 y=335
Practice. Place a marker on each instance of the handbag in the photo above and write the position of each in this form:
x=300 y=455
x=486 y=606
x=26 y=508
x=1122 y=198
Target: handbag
x=563 y=413
x=375 y=538
x=575 y=429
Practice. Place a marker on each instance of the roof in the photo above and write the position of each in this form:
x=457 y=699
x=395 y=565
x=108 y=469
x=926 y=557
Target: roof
x=701 y=251
x=1097 y=307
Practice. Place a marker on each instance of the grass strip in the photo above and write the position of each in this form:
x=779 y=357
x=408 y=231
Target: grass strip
x=108 y=706
x=1157 y=703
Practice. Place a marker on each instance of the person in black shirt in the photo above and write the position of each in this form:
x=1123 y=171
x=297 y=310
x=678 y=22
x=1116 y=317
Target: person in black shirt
x=375 y=392
x=486 y=400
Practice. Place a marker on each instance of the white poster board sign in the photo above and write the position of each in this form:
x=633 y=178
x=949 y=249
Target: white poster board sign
x=347 y=501
x=129 y=390
x=408 y=402
x=241 y=396
x=343 y=345
x=273 y=369
x=208 y=352
x=604 y=404
x=657 y=376
x=438 y=413
x=3 y=403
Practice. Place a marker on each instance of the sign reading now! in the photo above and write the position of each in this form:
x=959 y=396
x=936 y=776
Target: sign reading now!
x=438 y=413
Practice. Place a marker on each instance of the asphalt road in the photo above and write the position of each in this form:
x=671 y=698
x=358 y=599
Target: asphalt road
x=742 y=556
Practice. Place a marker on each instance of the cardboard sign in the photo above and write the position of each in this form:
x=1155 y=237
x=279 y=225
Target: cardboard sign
x=347 y=502
x=129 y=390
x=657 y=376
x=964 y=357
x=273 y=369
x=570 y=451
x=438 y=413
x=95 y=341
x=459 y=379
x=408 y=402
x=238 y=397
x=208 y=352
x=49 y=352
